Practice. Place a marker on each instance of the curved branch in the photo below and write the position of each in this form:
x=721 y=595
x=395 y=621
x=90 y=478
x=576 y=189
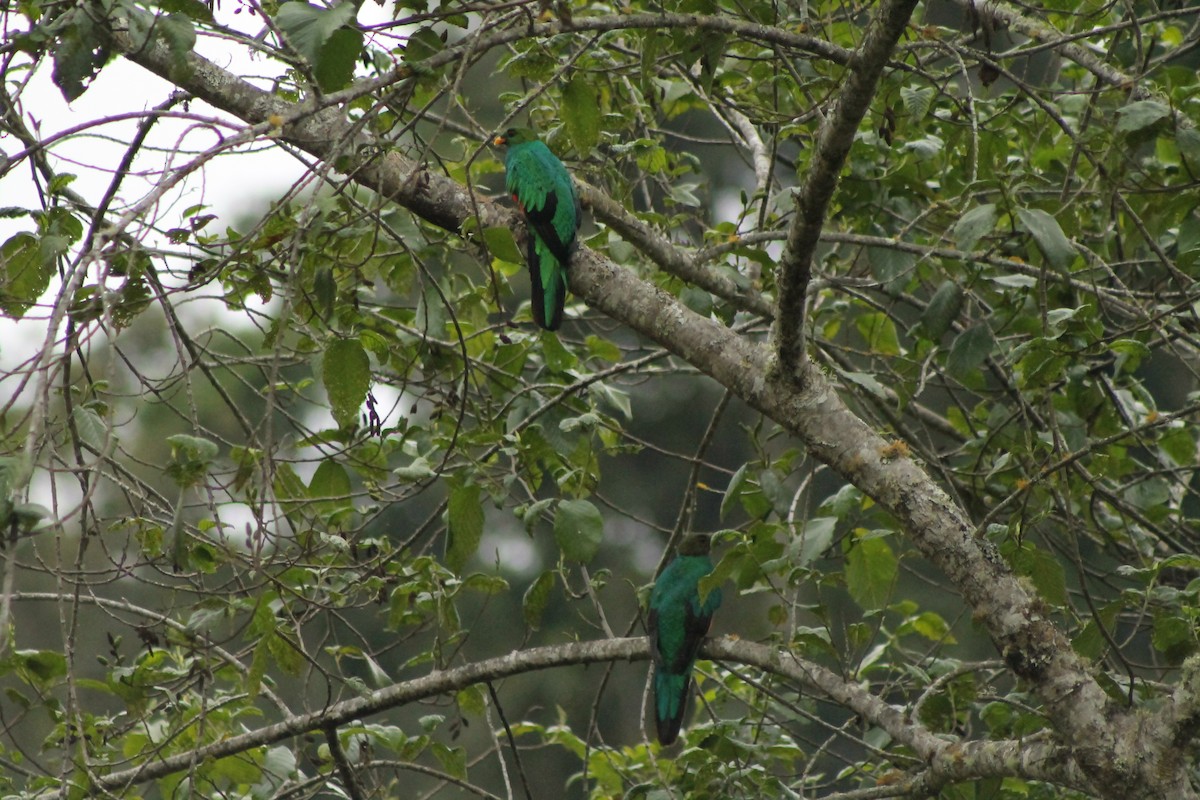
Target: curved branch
x=946 y=760
x=436 y=683
x=669 y=257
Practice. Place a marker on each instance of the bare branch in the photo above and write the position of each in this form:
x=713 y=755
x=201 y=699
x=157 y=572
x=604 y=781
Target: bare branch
x=816 y=192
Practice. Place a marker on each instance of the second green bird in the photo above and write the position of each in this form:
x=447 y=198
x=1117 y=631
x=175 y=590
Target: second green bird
x=546 y=195
x=678 y=622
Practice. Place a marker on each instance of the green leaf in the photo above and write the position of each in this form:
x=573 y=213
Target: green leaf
x=1090 y=641
x=616 y=399
x=581 y=114
x=871 y=569
x=423 y=43
x=1044 y=570
x=308 y=27
x=533 y=604
x=334 y=68
x=79 y=54
x=974 y=225
x=42 y=667
x=1041 y=362
x=290 y=492
x=1180 y=445
x=867 y=381
x=346 y=373
x=194 y=9
x=1130 y=353
x=891 y=267
x=879 y=332
x=1173 y=636
x=26 y=274
x=453 y=760
x=330 y=484
x=1050 y=239
x=465 y=517
x=325 y=40
x=942 y=310
x=190 y=459
x=91 y=428
x=969 y=350
x=1140 y=114
x=734 y=491
x=917 y=102
x=578 y=529
x=931 y=625
x=501 y=244
x=815 y=539
x=603 y=349
x=179 y=34
x=418 y=470
x=1188 y=142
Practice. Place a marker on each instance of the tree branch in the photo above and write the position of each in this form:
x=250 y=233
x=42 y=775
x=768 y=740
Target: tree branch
x=816 y=192
x=947 y=760
x=670 y=257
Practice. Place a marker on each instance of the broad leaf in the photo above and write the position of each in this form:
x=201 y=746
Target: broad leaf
x=1051 y=240
x=346 y=373
x=26 y=274
x=969 y=350
x=581 y=114
x=578 y=529
x=871 y=569
x=190 y=458
x=465 y=518
x=501 y=244
x=816 y=537
x=1140 y=114
x=533 y=603
x=974 y=225
x=943 y=309
x=79 y=54
x=325 y=40
x=179 y=34
x=331 y=485
x=917 y=101
x=334 y=68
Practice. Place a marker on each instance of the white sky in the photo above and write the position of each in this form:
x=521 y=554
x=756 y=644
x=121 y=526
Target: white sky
x=231 y=185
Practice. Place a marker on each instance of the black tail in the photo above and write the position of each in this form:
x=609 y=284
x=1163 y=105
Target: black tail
x=546 y=277
x=670 y=701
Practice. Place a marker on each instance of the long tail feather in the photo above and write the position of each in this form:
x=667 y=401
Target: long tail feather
x=548 y=284
x=670 y=701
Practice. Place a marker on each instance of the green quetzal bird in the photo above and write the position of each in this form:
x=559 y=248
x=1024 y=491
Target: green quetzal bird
x=546 y=195
x=678 y=622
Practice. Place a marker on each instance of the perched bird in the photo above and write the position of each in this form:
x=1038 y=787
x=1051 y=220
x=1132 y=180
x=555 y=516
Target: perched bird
x=678 y=623
x=543 y=189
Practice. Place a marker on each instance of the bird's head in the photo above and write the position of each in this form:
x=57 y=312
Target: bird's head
x=514 y=136
x=696 y=544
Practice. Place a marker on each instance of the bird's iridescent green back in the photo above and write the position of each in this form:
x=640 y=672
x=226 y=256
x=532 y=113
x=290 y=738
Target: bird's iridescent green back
x=678 y=622
x=543 y=189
